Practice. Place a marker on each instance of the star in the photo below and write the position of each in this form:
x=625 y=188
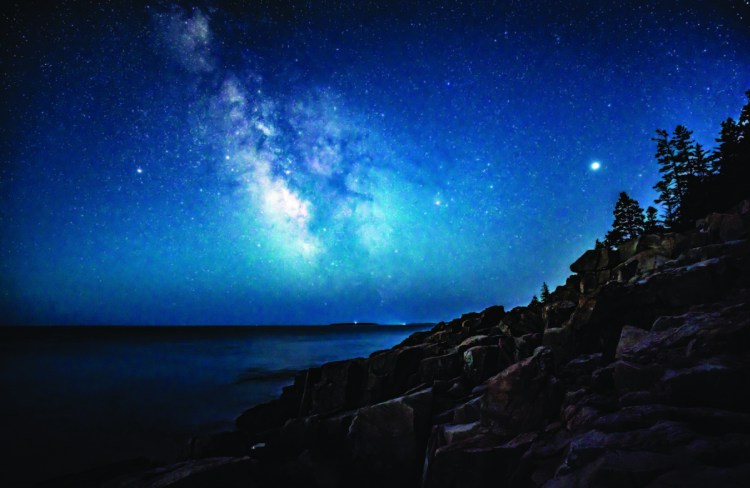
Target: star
x=595 y=166
x=139 y=170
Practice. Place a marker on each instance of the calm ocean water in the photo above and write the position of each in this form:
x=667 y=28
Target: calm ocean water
x=77 y=398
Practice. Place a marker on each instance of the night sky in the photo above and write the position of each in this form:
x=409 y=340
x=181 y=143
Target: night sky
x=294 y=162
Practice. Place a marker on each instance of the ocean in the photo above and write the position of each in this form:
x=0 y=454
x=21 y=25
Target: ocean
x=75 y=398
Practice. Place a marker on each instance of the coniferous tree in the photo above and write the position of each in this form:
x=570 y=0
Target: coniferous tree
x=696 y=202
x=670 y=191
x=534 y=302
x=628 y=223
x=731 y=162
x=598 y=244
x=739 y=173
x=651 y=223
x=745 y=120
x=668 y=200
x=694 y=183
x=684 y=151
x=701 y=163
x=675 y=156
x=545 y=293
x=728 y=145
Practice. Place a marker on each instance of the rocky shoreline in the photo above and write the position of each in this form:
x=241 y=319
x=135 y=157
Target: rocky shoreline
x=633 y=373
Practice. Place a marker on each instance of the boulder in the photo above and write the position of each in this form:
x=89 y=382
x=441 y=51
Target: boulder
x=649 y=241
x=626 y=271
x=559 y=340
x=480 y=362
x=595 y=260
x=645 y=262
x=341 y=386
x=578 y=372
x=440 y=337
x=453 y=433
x=523 y=397
x=310 y=379
x=417 y=337
x=475 y=462
x=523 y=320
x=630 y=338
x=573 y=284
x=693 y=284
x=477 y=340
x=620 y=468
x=469 y=316
x=468 y=412
x=491 y=316
x=709 y=383
x=387 y=441
x=630 y=376
x=506 y=354
x=442 y=367
x=391 y=372
x=525 y=345
x=565 y=293
x=725 y=227
x=628 y=249
x=589 y=282
x=556 y=313
x=667 y=322
x=471 y=324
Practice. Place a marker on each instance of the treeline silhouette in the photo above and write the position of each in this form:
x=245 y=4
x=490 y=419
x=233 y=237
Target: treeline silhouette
x=693 y=182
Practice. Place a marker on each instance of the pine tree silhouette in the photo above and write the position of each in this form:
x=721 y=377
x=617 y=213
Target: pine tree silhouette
x=675 y=156
x=701 y=163
x=670 y=191
x=728 y=145
x=737 y=169
x=693 y=182
x=730 y=163
x=696 y=201
x=628 y=223
x=651 y=224
x=544 y=296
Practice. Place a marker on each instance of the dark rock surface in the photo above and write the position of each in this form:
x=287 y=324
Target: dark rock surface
x=634 y=373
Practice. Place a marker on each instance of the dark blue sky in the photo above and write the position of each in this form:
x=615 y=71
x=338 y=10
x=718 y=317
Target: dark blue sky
x=286 y=163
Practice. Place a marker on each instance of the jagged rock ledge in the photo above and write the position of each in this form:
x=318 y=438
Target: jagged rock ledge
x=633 y=373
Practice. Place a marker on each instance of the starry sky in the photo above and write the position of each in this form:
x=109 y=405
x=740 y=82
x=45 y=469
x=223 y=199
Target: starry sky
x=295 y=162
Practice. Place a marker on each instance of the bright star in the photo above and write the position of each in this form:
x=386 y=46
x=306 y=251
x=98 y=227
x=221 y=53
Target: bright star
x=139 y=170
x=596 y=165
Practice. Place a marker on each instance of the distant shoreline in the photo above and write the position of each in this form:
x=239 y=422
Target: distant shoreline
x=217 y=326
x=54 y=332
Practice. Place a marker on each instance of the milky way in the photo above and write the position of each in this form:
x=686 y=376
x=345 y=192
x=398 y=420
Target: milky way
x=289 y=163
